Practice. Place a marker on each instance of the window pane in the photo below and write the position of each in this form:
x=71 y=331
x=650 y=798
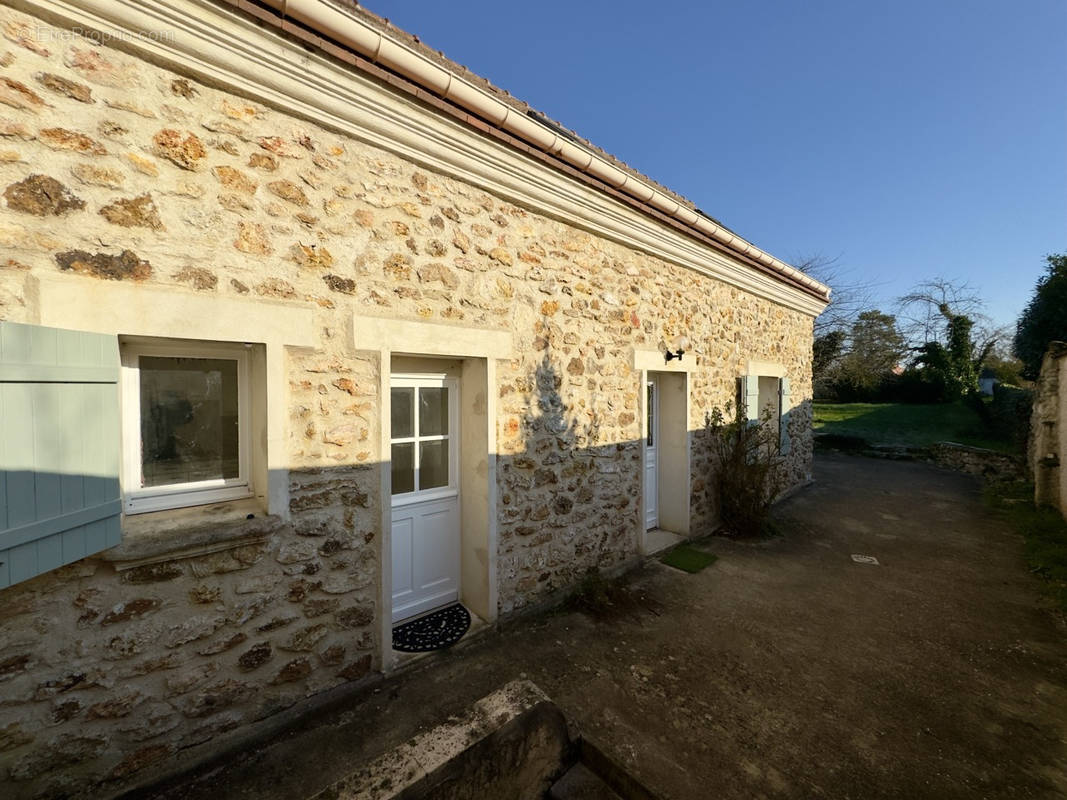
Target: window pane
x=189 y=425
x=433 y=464
x=433 y=411
x=768 y=397
x=650 y=422
x=403 y=412
x=403 y=468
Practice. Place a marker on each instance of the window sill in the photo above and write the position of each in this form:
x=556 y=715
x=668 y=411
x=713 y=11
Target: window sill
x=145 y=502
x=190 y=532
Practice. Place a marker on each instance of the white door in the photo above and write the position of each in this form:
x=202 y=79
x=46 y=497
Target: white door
x=425 y=493
x=651 y=456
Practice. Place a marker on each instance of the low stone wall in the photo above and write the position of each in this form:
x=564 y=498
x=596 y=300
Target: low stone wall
x=1048 y=430
x=989 y=465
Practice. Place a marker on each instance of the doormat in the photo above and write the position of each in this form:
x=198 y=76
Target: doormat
x=688 y=558
x=435 y=631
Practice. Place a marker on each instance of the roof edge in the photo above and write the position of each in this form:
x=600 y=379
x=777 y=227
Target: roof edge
x=339 y=25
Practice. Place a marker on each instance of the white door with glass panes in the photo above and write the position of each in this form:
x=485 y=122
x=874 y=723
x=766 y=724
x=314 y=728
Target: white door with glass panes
x=651 y=456
x=424 y=445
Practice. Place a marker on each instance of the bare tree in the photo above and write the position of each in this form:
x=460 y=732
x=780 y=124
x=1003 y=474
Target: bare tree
x=949 y=335
x=991 y=339
x=922 y=311
x=851 y=296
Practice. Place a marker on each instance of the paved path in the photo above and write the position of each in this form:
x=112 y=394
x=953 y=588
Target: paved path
x=784 y=670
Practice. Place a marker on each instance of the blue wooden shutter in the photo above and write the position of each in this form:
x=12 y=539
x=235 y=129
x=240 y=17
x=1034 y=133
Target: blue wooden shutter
x=59 y=448
x=784 y=408
x=750 y=397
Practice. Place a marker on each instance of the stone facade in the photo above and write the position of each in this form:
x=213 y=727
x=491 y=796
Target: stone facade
x=1048 y=430
x=117 y=172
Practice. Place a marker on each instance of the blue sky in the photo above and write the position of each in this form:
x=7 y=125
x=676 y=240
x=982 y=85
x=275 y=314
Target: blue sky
x=909 y=139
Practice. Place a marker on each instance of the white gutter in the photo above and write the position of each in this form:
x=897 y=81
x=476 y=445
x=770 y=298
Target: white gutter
x=349 y=30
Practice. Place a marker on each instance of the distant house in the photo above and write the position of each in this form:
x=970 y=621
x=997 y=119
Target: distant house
x=308 y=331
x=986 y=381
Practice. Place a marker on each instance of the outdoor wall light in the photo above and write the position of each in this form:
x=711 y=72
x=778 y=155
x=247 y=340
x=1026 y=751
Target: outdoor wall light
x=680 y=345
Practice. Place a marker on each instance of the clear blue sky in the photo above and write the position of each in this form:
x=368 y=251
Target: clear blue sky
x=911 y=138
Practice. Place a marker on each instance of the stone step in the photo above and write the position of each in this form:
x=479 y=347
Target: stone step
x=580 y=783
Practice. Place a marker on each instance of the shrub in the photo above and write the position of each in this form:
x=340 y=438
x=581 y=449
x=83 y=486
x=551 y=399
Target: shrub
x=593 y=593
x=748 y=469
x=1009 y=414
x=914 y=386
x=910 y=386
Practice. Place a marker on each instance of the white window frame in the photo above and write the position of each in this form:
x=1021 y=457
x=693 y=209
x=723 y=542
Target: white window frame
x=776 y=399
x=140 y=500
x=418 y=381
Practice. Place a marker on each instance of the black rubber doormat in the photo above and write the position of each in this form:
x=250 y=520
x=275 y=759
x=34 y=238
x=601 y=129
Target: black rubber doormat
x=435 y=631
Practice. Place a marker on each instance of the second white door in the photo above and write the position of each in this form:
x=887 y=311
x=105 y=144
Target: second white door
x=425 y=493
x=651 y=456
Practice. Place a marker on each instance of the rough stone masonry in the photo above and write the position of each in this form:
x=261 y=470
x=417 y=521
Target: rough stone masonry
x=1048 y=430
x=114 y=170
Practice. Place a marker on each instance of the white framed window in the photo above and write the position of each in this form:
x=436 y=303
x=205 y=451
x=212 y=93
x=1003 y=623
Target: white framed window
x=767 y=387
x=770 y=402
x=186 y=424
x=424 y=451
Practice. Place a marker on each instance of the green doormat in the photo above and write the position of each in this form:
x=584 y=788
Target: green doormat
x=688 y=558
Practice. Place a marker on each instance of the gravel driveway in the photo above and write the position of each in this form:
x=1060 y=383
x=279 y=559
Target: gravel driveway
x=787 y=669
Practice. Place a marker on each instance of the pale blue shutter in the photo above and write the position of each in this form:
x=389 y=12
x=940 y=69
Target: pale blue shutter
x=784 y=408
x=59 y=448
x=750 y=397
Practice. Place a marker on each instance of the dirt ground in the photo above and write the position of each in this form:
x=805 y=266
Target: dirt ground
x=784 y=670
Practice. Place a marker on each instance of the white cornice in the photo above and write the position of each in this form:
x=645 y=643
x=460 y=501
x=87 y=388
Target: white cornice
x=224 y=48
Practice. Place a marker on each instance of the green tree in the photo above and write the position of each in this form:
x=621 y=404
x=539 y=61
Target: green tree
x=875 y=350
x=1044 y=319
x=950 y=347
x=825 y=352
x=1006 y=368
x=958 y=361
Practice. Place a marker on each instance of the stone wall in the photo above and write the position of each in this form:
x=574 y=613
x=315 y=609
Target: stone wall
x=989 y=465
x=114 y=170
x=1048 y=430
x=570 y=437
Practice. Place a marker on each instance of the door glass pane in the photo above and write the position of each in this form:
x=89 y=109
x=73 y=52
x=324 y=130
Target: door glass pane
x=433 y=464
x=403 y=412
x=403 y=468
x=649 y=405
x=433 y=411
x=189 y=426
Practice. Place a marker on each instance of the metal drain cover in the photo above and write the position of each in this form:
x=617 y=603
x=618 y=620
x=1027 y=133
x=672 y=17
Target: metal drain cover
x=865 y=559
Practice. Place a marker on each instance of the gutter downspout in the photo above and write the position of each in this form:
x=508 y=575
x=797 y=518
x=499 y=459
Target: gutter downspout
x=352 y=32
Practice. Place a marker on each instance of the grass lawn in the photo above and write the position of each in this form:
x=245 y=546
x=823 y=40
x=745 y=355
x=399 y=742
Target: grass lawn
x=1044 y=533
x=908 y=425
